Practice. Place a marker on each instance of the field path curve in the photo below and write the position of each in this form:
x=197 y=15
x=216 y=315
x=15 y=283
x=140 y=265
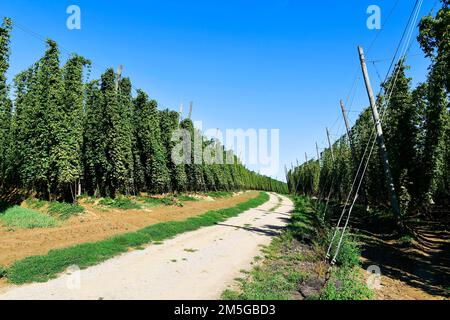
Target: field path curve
x=196 y=265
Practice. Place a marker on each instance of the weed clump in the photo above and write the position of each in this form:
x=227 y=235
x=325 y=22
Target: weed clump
x=19 y=217
x=120 y=203
x=64 y=210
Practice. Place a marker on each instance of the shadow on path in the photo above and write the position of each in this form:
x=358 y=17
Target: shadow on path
x=268 y=230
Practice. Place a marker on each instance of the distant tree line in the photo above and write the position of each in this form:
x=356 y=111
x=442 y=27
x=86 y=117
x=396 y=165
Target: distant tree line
x=417 y=133
x=61 y=136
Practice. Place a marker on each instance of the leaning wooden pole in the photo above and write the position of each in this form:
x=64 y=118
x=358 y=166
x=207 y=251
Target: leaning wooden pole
x=348 y=128
x=331 y=146
x=380 y=137
x=191 y=107
x=317 y=151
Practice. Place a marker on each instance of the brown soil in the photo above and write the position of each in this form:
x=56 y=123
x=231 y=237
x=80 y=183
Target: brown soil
x=419 y=270
x=95 y=225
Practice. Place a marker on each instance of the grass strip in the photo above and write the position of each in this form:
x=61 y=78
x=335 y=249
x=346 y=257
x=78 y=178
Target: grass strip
x=220 y=194
x=274 y=279
x=293 y=266
x=46 y=267
x=27 y=219
x=186 y=198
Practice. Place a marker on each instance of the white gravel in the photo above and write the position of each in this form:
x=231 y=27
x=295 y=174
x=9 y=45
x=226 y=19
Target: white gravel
x=195 y=265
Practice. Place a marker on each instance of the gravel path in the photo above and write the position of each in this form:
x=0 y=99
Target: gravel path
x=195 y=265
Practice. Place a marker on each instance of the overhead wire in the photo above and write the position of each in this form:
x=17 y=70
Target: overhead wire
x=409 y=30
x=355 y=81
x=69 y=53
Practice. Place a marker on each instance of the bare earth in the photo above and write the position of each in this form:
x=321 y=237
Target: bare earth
x=95 y=225
x=195 y=265
x=418 y=271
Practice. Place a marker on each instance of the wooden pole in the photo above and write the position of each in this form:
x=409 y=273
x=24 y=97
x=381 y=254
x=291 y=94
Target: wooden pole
x=349 y=130
x=191 y=106
x=286 y=173
x=318 y=153
x=119 y=76
x=181 y=112
x=331 y=146
x=380 y=137
x=306 y=157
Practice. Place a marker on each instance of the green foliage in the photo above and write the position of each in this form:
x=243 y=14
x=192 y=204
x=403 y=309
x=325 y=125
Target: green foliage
x=152 y=201
x=186 y=198
x=118 y=145
x=127 y=141
x=220 y=194
x=18 y=217
x=406 y=240
x=5 y=103
x=61 y=210
x=120 y=203
x=64 y=210
x=45 y=267
x=277 y=278
x=434 y=40
x=71 y=125
x=194 y=169
x=169 y=123
x=349 y=253
x=292 y=259
x=40 y=125
x=152 y=153
x=3 y=272
x=346 y=284
x=36 y=203
x=61 y=137
x=95 y=162
x=402 y=122
x=169 y=201
x=415 y=124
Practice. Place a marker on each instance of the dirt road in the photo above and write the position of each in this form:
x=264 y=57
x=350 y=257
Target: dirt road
x=196 y=265
x=95 y=225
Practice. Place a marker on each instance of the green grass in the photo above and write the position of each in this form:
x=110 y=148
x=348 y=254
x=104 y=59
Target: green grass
x=18 y=217
x=277 y=278
x=60 y=210
x=349 y=253
x=294 y=256
x=406 y=240
x=64 y=210
x=86 y=199
x=346 y=284
x=166 y=201
x=36 y=203
x=186 y=198
x=150 y=201
x=120 y=203
x=2 y=272
x=45 y=267
x=220 y=194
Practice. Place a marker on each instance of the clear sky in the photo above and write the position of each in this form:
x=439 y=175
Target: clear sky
x=246 y=64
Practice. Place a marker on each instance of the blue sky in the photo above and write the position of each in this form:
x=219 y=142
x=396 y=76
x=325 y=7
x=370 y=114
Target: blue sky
x=246 y=64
